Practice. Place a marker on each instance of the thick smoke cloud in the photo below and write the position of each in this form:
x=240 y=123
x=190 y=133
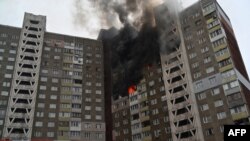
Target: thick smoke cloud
x=138 y=42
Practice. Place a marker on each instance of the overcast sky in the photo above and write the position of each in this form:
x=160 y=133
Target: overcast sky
x=60 y=18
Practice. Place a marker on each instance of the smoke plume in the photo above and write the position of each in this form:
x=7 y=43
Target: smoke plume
x=142 y=35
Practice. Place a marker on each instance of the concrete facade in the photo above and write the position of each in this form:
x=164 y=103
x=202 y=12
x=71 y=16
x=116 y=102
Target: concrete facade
x=60 y=73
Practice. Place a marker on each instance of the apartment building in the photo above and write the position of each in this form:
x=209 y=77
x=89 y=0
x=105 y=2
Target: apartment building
x=143 y=115
x=206 y=81
x=52 y=85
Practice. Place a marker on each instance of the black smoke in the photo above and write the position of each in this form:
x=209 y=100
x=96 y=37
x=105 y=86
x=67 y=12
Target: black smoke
x=137 y=44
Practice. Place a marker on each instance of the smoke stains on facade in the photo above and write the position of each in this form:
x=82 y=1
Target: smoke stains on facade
x=143 y=114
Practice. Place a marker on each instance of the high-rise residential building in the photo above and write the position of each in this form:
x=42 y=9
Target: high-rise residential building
x=206 y=82
x=143 y=115
x=51 y=85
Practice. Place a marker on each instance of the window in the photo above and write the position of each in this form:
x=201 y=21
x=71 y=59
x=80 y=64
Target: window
x=210 y=70
x=207 y=119
x=231 y=85
x=45 y=71
x=6 y=84
x=195 y=65
x=152 y=92
x=11 y=59
x=212 y=80
x=88 y=91
x=98 y=108
x=155 y=111
x=154 y=101
x=190 y=46
x=2 y=113
x=87 y=107
x=228 y=73
x=44 y=79
x=221 y=115
x=43 y=87
x=200 y=31
x=157 y=133
x=38 y=134
x=98 y=84
x=98 y=92
x=98 y=117
x=222 y=128
x=202 y=40
x=9 y=67
x=207 y=60
x=198 y=85
x=4 y=93
x=151 y=83
x=98 y=100
x=218 y=42
x=221 y=52
x=12 y=51
x=216 y=91
x=216 y=33
x=56 y=57
x=197 y=75
x=47 y=48
x=204 y=107
x=54 y=97
x=8 y=75
x=1 y=50
x=50 y=134
x=52 y=115
x=209 y=132
x=41 y=96
x=192 y=55
x=39 y=124
x=225 y=62
x=41 y=105
x=51 y=124
x=202 y=96
x=156 y=122
x=238 y=109
x=88 y=83
x=218 y=103
x=54 y=88
x=52 y=106
x=87 y=116
x=205 y=49
x=39 y=114
x=1 y=122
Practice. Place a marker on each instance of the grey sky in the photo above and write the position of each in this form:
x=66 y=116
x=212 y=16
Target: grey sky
x=59 y=18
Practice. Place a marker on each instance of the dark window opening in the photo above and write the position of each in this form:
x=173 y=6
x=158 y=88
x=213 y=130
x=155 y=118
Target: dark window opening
x=178 y=89
x=32 y=36
x=31 y=43
x=179 y=100
x=33 y=29
x=30 y=50
x=182 y=111
x=34 y=22
x=175 y=79
x=184 y=122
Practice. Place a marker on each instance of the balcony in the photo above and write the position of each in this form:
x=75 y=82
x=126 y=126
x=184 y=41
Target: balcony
x=217 y=48
x=148 y=128
x=225 y=68
x=240 y=115
x=222 y=57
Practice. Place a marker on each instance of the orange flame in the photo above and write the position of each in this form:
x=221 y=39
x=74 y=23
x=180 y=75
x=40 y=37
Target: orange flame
x=131 y=89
